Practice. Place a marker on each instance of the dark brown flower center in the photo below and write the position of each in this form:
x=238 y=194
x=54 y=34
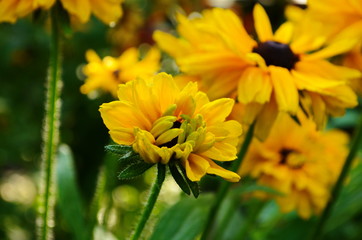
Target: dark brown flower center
x=277 y=54
x=284 y=155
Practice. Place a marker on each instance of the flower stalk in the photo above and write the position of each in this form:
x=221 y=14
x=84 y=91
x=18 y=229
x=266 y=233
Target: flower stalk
x=224 y=187
x=155 y=191
x=50 y=132
x=356 y=143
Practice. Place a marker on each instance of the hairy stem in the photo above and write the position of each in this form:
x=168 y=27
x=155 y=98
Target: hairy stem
x=155 y=190
x=45 y=221
x=356 y=143
x=224 y=187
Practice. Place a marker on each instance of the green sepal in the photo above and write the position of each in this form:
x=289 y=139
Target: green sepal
x=194 y=186
x=179 y=178
x=64 y=20
x=134 y=170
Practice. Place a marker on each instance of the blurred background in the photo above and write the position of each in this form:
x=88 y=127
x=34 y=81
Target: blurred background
x=108 y=205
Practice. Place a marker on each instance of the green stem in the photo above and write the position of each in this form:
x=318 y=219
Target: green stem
x=155 y=190
x=224 y=187
x=356 y=143
x=45 y=220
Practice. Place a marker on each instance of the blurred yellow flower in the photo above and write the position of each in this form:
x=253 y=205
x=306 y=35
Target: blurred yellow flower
x=108 y=11
x=107 y=73
x=299 y=162
x=347 y=16
x=164 y=123
x=280 y=72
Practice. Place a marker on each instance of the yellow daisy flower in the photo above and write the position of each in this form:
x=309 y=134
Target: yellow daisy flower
x=164 y=123
x=106 y=10
x=107 y=73
x=299 y=162
x=278 y=72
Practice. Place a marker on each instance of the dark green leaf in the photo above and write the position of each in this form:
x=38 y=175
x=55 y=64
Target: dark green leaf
x=183 y=221
x=134 y=170
x=179 y=178
x=194 y=186
x=120 y=150
x=69 y=199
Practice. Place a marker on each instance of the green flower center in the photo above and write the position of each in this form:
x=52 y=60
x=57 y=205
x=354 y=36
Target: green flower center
x=277 y=54
x=173 y=142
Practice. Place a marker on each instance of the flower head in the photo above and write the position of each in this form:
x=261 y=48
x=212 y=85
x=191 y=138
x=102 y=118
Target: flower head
x=107 y=73
x=277 y=73
x=80 y=10
x=164 y=123
x=299 y=162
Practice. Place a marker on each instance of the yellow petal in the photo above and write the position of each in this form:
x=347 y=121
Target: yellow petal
x=262 y=24
x=196 y=167
x=80 y=9
x=226 y=174
x=122 y=136
x=326 y=69
x=285 y=90
x=333 y=49
x=217 y=111
x=165 y=88
x=107 y=10
x=170 y=44
x=121 y=114
x=266 y=119
x=168 y=136
x=254 y=86
x=284 y=33
x=314 y=83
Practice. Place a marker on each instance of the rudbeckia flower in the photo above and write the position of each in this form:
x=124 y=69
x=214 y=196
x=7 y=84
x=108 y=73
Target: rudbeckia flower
x=165 y=124
x=106 y=10
x=299 y=162
x=278 y=73
x=107 y=73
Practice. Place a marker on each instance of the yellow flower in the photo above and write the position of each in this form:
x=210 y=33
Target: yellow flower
x=106 y=10
x=277 y=73
x=107 y=73
x=299 y=162
x=164 y=123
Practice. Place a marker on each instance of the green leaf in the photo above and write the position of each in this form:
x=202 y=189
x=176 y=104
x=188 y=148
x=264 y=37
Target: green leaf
x=184 y=220
x=120 y=150
x=68 y=194
x=180 y=180
x=134 y=170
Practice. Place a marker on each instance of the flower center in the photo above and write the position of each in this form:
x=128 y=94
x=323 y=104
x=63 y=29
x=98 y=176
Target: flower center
x=292 y=158
x=277 y=54
x=173 y=142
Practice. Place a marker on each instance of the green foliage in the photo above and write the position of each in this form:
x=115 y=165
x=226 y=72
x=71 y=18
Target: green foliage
x=184 y=220
x=131 y=163
x=69 y=200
